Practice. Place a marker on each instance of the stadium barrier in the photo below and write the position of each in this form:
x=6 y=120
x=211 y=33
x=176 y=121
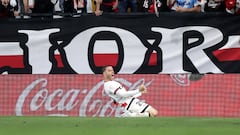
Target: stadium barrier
x=210 y=95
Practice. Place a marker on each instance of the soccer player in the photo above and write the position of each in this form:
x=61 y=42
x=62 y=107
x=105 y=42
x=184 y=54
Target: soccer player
x=133 y=107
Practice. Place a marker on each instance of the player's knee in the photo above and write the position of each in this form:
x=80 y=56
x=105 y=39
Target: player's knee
x=153 y=112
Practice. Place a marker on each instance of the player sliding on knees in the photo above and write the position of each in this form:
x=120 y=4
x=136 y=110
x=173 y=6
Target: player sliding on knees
x=133 y=107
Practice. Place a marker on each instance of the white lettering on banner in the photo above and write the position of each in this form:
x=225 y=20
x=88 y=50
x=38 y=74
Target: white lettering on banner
x=79 y=61
x=54 y=102
x=48 y=100
x=87 y=99
x=25 y=93
x=171 y=46
x=198 y=52
x=42 y=94
x=172 y=50
x=173 y=38
x=38 y=45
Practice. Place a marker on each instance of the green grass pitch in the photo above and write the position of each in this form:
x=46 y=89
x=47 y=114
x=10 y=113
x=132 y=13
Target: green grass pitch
x=118 y=126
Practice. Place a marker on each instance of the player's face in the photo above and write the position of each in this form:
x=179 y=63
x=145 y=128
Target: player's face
x=109 y=73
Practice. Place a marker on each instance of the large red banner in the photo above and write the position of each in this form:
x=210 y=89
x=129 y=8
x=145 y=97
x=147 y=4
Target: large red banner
x=83 y=95
x=138 y=44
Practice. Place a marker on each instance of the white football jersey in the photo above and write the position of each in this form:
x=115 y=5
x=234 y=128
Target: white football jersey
x=118 y=93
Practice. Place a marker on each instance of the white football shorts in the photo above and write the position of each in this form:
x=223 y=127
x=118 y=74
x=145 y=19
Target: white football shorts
x=137 y=106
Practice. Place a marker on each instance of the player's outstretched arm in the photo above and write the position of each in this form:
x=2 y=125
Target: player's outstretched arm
x=123 y=93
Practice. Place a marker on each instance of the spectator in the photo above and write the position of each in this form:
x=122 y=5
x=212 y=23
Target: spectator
x=26 y=5
x=187 y=6
x=58 y=5
x=8 y=8
x=170 y=3
x=21 y=8
x=79 y=5
x=61 y=5
x=233 y=6
x=68 y=6
x=125 y=4
x=214 y=6
x=42 y=6
x=89 y=6
x=161 y=5
x=155 y=6
x=106 y=6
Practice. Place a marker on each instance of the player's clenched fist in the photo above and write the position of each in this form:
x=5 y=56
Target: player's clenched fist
x=142 y=88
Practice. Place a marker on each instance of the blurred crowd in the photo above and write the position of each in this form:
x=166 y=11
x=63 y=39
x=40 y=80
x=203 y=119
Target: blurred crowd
x=11 y=8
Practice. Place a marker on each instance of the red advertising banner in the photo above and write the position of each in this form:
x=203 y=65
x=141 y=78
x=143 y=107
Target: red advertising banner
x=215 y=95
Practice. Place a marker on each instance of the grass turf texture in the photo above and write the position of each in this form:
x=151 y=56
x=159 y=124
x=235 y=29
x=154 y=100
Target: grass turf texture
x=118 y=126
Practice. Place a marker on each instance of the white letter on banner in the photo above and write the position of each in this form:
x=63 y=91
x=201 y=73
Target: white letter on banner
x=172 y=49
x=200 y=60
x=38 y=45
x=77 y=50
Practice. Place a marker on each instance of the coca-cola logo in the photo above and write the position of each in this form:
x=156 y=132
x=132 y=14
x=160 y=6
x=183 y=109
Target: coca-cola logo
x=38 y=99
